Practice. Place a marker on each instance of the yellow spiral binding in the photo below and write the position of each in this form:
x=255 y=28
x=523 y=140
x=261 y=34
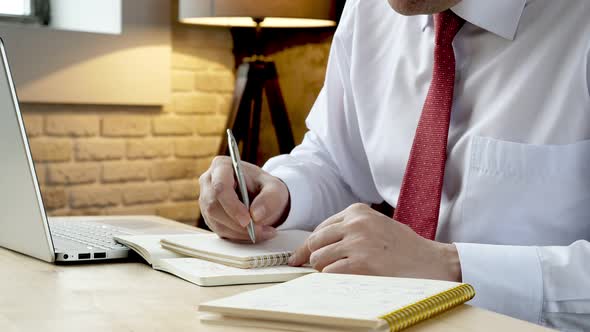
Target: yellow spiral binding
x=271 y=260
x=427 y=308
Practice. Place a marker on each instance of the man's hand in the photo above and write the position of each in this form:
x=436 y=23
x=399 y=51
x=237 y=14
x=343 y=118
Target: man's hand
x=227 y=216
x=360 y=240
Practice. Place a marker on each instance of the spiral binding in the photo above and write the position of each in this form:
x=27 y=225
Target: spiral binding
x=270 y=260
x=427 y=308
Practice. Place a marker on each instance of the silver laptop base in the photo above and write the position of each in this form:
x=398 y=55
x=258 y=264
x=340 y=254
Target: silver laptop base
x=85 y=240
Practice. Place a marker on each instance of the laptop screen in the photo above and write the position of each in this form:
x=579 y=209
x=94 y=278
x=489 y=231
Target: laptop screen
x=23 y=222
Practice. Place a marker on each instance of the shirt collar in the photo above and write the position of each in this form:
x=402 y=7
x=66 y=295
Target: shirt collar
x=500 y=17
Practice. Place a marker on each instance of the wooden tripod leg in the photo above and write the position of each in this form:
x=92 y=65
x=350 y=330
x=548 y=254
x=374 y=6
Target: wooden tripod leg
x=238 y=117
x=278 y=111
x=252 y=137
x=240 y=104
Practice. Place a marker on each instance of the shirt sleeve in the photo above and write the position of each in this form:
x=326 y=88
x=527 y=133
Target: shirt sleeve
x=543 y=285
x=329 y=170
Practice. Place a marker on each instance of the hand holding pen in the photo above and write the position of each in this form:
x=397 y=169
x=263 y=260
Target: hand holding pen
x=227 y=215
x=234 y=152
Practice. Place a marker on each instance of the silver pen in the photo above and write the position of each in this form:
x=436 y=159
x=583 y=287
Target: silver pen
x=236 y=162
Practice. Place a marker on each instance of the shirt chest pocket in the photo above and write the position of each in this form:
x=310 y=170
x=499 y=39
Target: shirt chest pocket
x=527 y=194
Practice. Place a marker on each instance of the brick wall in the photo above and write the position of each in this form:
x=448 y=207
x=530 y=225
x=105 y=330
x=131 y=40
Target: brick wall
x=118 y=160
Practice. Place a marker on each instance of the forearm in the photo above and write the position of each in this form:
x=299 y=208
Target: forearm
x=316 y=188
x=328 y=171
x=544 y=285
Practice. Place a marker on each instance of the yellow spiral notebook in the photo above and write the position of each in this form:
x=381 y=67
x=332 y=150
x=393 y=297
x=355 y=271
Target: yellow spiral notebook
x=323 y=302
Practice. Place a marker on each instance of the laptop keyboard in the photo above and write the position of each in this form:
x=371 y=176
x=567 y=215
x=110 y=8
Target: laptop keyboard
x=90 y=234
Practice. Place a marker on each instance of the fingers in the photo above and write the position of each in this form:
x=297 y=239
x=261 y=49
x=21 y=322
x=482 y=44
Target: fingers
x=223 y=210
x=325 y=246
x=270 y=203
x=226 y=232
x=217 y=214
x=300 y=257
x=339 y=266
x=223 y=184
x=325 y=236
x=327 y=255
x=337 y=218
x=263 y=232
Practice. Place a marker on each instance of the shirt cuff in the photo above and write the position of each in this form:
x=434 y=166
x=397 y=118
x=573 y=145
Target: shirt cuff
x=300 y=196
x=507 y=279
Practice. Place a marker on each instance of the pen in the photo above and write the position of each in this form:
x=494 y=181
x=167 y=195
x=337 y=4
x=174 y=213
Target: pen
x=236 y=163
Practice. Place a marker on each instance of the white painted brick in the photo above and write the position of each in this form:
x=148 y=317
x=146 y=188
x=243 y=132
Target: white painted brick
x=184 y=190
x=67 y=174
x=185 y=212
x=149 y=148
x=53 y=198
x=145 y=193
x=33 y=124
x=183 y=80
x=210 y=124
x=125 y=171
x=72 y=125
x=197 y=147
x=215 y=81
x=94 y=196
x=100 y=149
x=51 y=149
x=173 y=170
x=195 y=103
x=173 y=126
x=126 y=126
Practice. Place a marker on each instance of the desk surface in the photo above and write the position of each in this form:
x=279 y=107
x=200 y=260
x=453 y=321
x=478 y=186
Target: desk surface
x=129 y=296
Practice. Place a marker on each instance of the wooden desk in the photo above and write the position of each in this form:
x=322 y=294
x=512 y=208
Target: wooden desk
x=36 y=296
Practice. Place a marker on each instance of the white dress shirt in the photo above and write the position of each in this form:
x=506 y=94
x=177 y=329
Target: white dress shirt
x=516 y=195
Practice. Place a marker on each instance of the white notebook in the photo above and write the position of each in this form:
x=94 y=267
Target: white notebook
x=338 y=302
x=273 y=252
x=202 y=272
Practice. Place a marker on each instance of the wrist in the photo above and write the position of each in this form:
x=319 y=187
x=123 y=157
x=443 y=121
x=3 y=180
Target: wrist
x=452 y=263
x=287 y=208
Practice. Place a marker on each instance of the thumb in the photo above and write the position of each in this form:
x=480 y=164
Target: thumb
x=301 y=256
x=271 y=202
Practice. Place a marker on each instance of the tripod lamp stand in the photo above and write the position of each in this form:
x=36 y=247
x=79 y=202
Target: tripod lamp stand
x=257 y=75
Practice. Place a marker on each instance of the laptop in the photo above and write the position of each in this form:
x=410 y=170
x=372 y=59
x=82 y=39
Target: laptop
x=24 y=225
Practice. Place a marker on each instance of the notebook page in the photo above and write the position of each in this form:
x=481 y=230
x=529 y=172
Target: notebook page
x=149 y=244
x=206 y=273
x=333 y=299
x=285 y=241
x=257 y=324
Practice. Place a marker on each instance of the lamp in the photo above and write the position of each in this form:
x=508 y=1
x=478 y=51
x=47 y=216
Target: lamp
x=258 y=74
x=276 y=13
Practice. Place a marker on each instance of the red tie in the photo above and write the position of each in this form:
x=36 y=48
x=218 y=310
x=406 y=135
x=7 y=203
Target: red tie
x=419 y=200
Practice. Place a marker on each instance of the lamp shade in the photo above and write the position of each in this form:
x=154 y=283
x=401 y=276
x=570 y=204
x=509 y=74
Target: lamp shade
x=276 y=13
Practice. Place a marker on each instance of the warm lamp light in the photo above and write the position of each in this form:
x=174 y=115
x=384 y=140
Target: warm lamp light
x=258 y=75
x=271 y=13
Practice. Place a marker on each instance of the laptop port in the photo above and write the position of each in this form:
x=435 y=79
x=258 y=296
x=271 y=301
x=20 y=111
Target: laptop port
x=100 y=255
x=83 y=256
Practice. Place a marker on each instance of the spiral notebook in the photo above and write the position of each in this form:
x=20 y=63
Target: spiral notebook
x=202 y=272
x=338 y=302
x=273 y=252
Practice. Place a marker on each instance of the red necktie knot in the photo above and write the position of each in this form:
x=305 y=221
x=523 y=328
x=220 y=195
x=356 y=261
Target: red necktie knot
x=446 y=26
